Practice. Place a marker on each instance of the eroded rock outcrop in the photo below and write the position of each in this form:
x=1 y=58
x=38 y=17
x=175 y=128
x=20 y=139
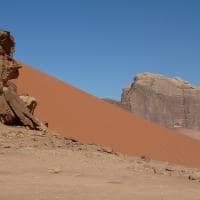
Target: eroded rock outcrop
x=14 y=109
x=171 y=102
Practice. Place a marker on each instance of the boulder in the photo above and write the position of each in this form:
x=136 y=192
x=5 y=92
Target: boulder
x=22 y=114
x=30 y=103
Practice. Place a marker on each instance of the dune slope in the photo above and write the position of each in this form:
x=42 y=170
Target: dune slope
x=75 y=113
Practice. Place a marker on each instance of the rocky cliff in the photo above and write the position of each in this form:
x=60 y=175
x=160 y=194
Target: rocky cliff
x=14 y=108
x=171 y=102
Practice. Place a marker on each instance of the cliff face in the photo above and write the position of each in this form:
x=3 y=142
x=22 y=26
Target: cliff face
x=171 y=102
x=14 y=108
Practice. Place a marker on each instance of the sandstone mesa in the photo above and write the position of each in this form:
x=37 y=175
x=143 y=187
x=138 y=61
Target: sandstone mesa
x=171 y=102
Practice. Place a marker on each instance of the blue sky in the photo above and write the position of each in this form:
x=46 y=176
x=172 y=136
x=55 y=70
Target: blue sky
x=99 y=45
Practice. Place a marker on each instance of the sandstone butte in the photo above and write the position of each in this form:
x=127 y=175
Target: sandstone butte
x=74 y=113
x=171 y=102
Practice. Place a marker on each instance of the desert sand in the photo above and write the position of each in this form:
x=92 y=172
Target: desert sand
x=74 y=113
x=42 y=166
x=195 y=134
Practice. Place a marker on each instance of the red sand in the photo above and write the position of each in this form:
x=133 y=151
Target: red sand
x=77 y=114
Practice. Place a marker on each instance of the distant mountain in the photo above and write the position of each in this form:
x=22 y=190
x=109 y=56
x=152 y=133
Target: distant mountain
x=171 y=102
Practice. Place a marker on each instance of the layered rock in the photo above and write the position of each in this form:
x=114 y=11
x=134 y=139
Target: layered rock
x=171 y=102
x=14 y=109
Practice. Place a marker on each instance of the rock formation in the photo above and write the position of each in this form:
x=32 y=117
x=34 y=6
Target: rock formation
x=14 y=109
x=171 y=102
x=117 y=103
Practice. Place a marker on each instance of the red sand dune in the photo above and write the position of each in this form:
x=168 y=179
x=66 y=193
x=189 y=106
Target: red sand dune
x=77 y=114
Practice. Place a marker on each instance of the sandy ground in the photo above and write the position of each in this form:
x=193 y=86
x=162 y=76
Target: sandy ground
x=195 y=134
x=39 y=166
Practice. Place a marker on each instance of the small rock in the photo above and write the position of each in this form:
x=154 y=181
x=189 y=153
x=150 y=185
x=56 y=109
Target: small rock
x=108 y=150
x=169 y=169
x=157 y=171
x=194 y=176
x=7 y=147
x=35 y=139
x=56 y=170
x=146 y=158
